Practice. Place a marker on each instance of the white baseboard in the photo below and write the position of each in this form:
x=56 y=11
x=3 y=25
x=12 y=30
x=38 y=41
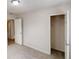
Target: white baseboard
x=40 y=50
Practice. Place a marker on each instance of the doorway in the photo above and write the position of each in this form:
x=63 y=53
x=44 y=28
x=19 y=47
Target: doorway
x=11 y=31
x=14 y=31
x=58 y=34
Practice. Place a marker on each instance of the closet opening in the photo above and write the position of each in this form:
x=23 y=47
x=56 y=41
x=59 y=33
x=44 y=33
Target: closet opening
x=58 y=34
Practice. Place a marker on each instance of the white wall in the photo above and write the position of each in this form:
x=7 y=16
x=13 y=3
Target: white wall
x=36 y=28
x=36 y=31
x=10 y=16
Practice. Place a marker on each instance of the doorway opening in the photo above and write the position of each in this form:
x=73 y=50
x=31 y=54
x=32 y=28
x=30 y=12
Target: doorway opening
x=14 y=31
x=58 y=34
x=11 y=31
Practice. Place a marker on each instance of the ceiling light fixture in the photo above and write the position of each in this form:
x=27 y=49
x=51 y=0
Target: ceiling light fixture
x=15 y=2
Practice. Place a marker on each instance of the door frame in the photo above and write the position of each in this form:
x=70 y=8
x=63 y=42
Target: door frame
x=67 y=31
x=64 y=25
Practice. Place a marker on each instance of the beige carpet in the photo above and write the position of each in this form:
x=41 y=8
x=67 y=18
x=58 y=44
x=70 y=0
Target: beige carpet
x=16 y=51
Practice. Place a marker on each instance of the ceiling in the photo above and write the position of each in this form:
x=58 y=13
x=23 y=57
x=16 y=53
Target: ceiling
x=29 y=5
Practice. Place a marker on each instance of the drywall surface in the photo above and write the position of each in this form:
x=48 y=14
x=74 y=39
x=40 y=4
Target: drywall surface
x=36 y=31
x=36 y=28
x=10 y=16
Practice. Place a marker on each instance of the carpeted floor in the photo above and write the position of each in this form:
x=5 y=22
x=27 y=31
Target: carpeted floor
x=16 y=51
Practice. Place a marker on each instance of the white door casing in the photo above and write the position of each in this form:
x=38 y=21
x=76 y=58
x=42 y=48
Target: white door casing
x=67 y=35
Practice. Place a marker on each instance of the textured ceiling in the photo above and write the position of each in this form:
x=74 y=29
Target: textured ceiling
x=29 y=5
